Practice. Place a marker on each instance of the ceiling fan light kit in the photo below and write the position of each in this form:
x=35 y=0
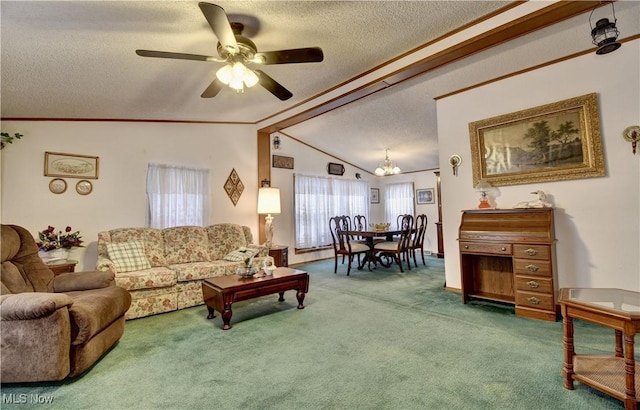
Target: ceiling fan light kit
x=238 y=52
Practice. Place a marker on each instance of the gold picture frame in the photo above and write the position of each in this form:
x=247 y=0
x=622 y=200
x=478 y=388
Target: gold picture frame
x=552 y=142
x=60 y=164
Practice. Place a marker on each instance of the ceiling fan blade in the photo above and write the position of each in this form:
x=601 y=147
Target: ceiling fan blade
x=179 y=56
x=297 y=55
x=219 y=23
x=273 y=86
x=213 y=89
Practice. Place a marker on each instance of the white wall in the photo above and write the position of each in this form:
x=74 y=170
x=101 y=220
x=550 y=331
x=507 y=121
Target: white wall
x=308 y=161
x=597 y=219
x=118 y=198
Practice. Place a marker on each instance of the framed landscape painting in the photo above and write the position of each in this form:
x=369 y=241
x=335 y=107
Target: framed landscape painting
x=552 y=142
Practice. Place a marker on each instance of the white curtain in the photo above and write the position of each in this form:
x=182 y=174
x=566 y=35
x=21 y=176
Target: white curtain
x=398 y=200
x=319 y=198
x=177 y=196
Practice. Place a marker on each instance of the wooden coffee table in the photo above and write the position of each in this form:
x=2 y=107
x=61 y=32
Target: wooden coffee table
x=221 y=292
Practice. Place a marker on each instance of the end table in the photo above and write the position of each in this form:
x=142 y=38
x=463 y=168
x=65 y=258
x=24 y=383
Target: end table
x=62 y=266
x=280 y=255
x=618 y=375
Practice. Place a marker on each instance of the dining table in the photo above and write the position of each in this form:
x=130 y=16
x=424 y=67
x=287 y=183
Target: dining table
x=369 y=238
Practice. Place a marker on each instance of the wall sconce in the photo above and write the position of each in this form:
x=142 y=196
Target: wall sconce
x=605 y=33
x=276 y=142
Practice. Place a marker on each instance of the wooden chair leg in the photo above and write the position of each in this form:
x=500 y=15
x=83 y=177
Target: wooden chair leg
x=422 y=253
x=335 y=265
x=399 y=260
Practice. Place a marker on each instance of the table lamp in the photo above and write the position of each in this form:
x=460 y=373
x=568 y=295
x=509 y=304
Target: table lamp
x=483 y=187
x=268 y=203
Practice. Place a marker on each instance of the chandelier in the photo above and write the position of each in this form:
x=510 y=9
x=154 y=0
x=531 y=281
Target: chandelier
x=387 y=167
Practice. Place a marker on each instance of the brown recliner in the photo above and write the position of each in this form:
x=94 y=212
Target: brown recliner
x=53 y=327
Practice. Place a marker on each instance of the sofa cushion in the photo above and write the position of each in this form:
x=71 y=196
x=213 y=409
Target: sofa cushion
x=224 y=238
x=185 y=244
x=128 y=256
x=152 y=239
x=241 y=254
x=203 y=270
x=146 y=279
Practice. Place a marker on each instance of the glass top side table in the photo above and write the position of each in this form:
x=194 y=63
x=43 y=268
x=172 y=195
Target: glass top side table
x=618 y=375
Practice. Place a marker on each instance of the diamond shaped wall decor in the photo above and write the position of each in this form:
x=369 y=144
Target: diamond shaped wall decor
x=234 y=187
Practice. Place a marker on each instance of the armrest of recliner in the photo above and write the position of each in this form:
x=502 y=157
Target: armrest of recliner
x=32 y=305
x=36 y=337
x=72 y=281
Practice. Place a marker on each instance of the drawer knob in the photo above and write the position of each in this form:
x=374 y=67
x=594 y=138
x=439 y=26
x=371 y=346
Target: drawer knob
x=531 y=252
x=466 y=246
x=532 y=268
x=534 y=300
x=503 y=249
x=533 y=284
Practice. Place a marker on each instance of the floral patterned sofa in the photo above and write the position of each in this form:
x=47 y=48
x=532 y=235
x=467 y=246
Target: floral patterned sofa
x=163 y=268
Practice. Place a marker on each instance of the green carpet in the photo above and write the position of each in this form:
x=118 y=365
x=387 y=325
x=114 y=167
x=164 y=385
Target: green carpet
x=373 y=340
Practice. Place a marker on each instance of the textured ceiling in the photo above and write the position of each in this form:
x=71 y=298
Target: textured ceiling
x=76 y=60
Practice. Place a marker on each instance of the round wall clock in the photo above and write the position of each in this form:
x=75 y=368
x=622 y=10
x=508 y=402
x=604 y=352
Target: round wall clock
x=57 y=185
x=84 y=187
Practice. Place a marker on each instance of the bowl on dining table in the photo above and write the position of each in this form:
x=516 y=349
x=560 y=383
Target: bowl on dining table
x=380 y=227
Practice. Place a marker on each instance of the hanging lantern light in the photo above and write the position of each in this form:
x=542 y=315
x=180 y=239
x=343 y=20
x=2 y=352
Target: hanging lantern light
x=605 y=33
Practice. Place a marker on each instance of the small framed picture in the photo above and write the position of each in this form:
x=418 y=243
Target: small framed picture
x=278 y=161
x=59 y=164
x=425 y=196
x=375 y=195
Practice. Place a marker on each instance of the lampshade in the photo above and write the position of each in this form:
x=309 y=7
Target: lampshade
x=482 y=186
x=269 y=201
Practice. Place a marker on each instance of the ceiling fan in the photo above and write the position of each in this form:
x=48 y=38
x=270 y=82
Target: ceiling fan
x=238 y=52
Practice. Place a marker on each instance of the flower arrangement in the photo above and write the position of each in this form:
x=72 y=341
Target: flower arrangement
x=50 y=240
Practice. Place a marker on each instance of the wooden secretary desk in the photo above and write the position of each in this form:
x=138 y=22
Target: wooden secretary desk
x=508 y=255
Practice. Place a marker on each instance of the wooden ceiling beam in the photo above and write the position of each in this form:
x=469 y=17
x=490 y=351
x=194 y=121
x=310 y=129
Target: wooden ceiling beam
x=548 y=16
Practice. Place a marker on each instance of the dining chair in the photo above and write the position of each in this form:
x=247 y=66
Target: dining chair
x=342 y=244
x=400 y=248
x=418 y=238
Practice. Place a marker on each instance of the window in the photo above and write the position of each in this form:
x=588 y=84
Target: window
x=177 y=196
x=317 y=199
x=398 y=200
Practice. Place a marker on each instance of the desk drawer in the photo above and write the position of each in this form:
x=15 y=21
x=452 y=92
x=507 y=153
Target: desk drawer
x=533 y=284
x=532 y=267
x=532 y=251
x=486 y=248
x=541 y=301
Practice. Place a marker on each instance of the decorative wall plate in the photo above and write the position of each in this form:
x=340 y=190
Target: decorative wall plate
x=84 y=187
x=57 y=185
x=234 y=187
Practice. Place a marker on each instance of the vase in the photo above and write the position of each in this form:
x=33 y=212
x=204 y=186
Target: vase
x=61 y=253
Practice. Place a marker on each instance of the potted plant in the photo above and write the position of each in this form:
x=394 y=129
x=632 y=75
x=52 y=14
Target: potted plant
x=58 y=244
